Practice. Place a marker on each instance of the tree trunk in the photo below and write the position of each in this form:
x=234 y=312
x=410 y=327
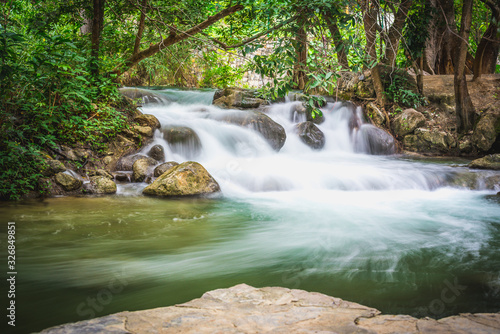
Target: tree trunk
x=370 y=11
x=489 y=46
x=97 y=25
x=463 y=103
x=173 y=38
x=395 y=32
x=299 y=76
x=140 y=28
x=338 y=42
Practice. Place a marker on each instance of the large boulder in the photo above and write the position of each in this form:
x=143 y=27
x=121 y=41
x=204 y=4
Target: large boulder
x=146 y=96
x=157 y=152
x=182 y=140
x=237 y=98
x=142 y=168
x=100 y=185
x=273 y=132
x=487 y=130
x=68 y=182
x=310 y=135
x=406 y=122
x=429 y=141
x=187 y=179
x=373 y=140
x=375 y=114
x=148 y=120
x=53 y=167
x=491 y=161
x=161 y=169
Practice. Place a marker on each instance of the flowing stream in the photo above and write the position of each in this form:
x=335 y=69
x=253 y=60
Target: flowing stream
x=418 y=237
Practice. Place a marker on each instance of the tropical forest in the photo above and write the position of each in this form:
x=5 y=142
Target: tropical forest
x=249 y=166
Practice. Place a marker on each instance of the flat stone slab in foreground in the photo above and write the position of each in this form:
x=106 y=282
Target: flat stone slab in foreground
x=244 y=309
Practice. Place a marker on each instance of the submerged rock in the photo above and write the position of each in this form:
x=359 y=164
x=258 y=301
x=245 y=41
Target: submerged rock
x=182 y=140
x=310 y=135
x=68 y=182
x=159 y=170
x=406 y=122
x=157 y=152
x=187 y=179
x=237 y=98
x=100 y=185
x=273 y=132
x=491 y=161
x=245 y=309
x=142 y=168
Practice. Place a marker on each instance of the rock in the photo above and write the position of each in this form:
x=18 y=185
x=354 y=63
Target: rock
x=142 y=169
x=376 y=141
x=159 y=170
x=491 y=161
x=126 y=163
x=269 y=129
x=487 y=130
x=148 y=120
x=99 y=172
x=122 y=177
x=375 y=114
x=53 y=167
x=68 y=182
x=237 y=98
x=406 y=122
x=310 y=135
x=182 y=140
x=144 y=130
x=157 y=152
x=429 y=141
x=100 y=185
x=145 y=95
x=245 y=309
x=298 y=112
x=187 y=179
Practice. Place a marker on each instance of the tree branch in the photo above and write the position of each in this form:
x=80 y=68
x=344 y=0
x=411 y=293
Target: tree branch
x=173 y=38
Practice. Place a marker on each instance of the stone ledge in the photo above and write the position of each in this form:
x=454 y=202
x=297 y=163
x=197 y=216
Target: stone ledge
x=245 y=309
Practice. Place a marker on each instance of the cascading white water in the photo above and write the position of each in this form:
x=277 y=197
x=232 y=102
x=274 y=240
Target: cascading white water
x=242 y=161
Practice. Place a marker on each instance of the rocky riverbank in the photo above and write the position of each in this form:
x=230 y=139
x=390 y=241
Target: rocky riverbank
x=245 y=309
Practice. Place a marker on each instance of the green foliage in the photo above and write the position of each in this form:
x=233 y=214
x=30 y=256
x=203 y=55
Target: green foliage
x=397 y=93
x=218 y=71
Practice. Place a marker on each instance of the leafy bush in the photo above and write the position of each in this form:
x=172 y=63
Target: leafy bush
x=398 y=93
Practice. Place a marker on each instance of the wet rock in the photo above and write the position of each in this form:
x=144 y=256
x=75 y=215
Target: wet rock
x=122 y=177
x=159 y=170
x=187 y=179
x=269 y=129
x=373 y=140
x=298 y=112
x=491 y=161
x=142 y=168
x=430 y=141
x=148 y=120
x=100 y=185
x=487 y=130
x=144 y=130
x=375 y=114
x=68 y=182
x=126 y=163
x=406 y=122
x=310 y=135
x=145 y=95
x=237 y=98
x=245 y=309
x=53 y=167
x=157 y=152
x=99 y=172
x=182 y=140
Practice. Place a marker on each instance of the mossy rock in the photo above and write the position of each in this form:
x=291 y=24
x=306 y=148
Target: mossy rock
x=187 y=179
x=407 y=121
x=491 y=161
x=68 y=182
x=161 y=169
x=100 y=185
x=237 y=98
x=53 y=167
